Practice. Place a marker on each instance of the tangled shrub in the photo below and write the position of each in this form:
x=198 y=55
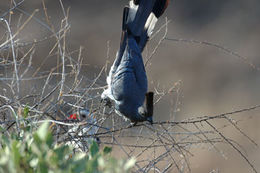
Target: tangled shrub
x=37 y=152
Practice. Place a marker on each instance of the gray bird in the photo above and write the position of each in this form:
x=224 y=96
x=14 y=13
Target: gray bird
x=127 y=80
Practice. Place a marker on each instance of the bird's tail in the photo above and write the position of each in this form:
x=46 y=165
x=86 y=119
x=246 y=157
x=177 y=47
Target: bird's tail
x=141 y=18
x=159 y=7
x=149 y=105
x=139 y=11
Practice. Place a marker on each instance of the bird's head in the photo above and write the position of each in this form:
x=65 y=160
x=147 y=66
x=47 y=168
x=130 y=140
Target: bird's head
x=80 y=115
x=145 y=114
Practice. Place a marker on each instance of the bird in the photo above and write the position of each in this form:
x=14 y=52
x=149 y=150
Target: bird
x=127 y=79
x=81 y=137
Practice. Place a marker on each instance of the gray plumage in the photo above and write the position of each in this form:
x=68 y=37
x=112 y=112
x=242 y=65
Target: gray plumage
x=127 y=80
x=129 y=83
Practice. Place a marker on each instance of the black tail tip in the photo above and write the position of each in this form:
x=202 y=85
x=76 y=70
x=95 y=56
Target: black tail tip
x=159 y=7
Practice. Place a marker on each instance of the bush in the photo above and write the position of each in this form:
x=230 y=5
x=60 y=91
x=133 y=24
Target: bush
x=38 y=152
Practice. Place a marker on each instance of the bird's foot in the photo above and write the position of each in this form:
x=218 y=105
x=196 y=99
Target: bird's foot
x=106 y=102
x=132 y=124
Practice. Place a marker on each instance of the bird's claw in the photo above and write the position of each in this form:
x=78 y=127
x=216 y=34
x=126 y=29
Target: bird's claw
x=107 y=102
x=132 y=124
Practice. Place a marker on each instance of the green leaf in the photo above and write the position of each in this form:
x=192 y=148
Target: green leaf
x=4 y=160
x=79 y=165
x=5 y=141
x=94 y=149
x=34 y=162
x=107 y=150
x=43 y=131
x=49 y=139
x=61 y=152
x=36 y=140
x=129 y=164
x=26 y=111
x=16 y=153
x=92 y=166
x=1 y=130
x=43 y=167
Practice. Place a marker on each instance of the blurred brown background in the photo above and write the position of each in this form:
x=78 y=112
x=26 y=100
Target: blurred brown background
x=212 y=82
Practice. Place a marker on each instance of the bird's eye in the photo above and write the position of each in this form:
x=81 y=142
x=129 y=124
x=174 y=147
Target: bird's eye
x=83 y=116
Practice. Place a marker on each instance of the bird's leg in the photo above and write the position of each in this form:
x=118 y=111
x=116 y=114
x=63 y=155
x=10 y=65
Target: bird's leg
x=107 y=102
x=132 y=124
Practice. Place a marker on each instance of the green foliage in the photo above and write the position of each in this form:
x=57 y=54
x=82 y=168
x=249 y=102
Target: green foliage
x=38 y=153
x=25 y=111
